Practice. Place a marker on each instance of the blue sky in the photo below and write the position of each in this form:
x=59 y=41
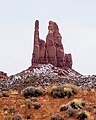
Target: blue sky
x=76 y=20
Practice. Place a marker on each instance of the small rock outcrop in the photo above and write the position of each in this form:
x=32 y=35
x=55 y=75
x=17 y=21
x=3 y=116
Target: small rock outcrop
x=3 y=75
x=51 y=51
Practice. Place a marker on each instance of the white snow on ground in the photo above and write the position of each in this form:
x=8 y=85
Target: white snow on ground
x=45 y=70
x=47 y=73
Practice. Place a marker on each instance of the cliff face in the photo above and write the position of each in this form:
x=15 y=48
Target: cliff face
x=51 y=51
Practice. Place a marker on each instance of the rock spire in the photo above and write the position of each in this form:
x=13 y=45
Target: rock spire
x=51 y=51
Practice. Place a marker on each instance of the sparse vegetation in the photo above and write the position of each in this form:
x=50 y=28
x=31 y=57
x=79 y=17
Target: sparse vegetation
x=82 y=115
x=63 y=107
x=77 y=104
x=12 y=109
x=17 y=117
x=56 y=117
x=5 y=94
x=32 y=91
x=80 y=106
x=28 y=103
x=36 y=105
x=72 y=112
x=62 y=91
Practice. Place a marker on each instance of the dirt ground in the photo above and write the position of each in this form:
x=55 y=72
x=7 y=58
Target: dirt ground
x=14 y=103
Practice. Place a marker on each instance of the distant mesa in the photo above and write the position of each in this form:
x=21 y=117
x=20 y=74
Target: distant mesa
x=51 y=51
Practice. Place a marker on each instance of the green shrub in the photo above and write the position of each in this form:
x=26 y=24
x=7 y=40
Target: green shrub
x=57 y=92
x=77 y=104
x=62 y=91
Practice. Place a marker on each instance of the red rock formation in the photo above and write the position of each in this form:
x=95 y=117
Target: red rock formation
x=50 y=45
x=35 y=58
x=39 y=47
x=52 y=51
x=68 y=60
x=58 y=45
x=3 y=75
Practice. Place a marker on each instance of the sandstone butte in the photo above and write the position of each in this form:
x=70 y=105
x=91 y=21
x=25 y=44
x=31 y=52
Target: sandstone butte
x=51 y=51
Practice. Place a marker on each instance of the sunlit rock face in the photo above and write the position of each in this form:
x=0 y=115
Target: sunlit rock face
x=51 y=51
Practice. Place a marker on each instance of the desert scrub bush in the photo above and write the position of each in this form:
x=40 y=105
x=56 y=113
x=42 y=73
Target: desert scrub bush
x=77 y=104
x=72 y=112
x=36 y=105
x=39 y=91
x=57 y=92
x=17 y=117
x=83 y=115
x=5 y=94
x=33 y=99
x=32 y=91
x=28 y=103
x=12 y=109
x=69 y=92
x=56 y=117
x=63 y=107
x=61 y=91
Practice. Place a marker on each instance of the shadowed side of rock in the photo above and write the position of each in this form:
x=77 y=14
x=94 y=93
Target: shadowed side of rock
x=51 y=51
